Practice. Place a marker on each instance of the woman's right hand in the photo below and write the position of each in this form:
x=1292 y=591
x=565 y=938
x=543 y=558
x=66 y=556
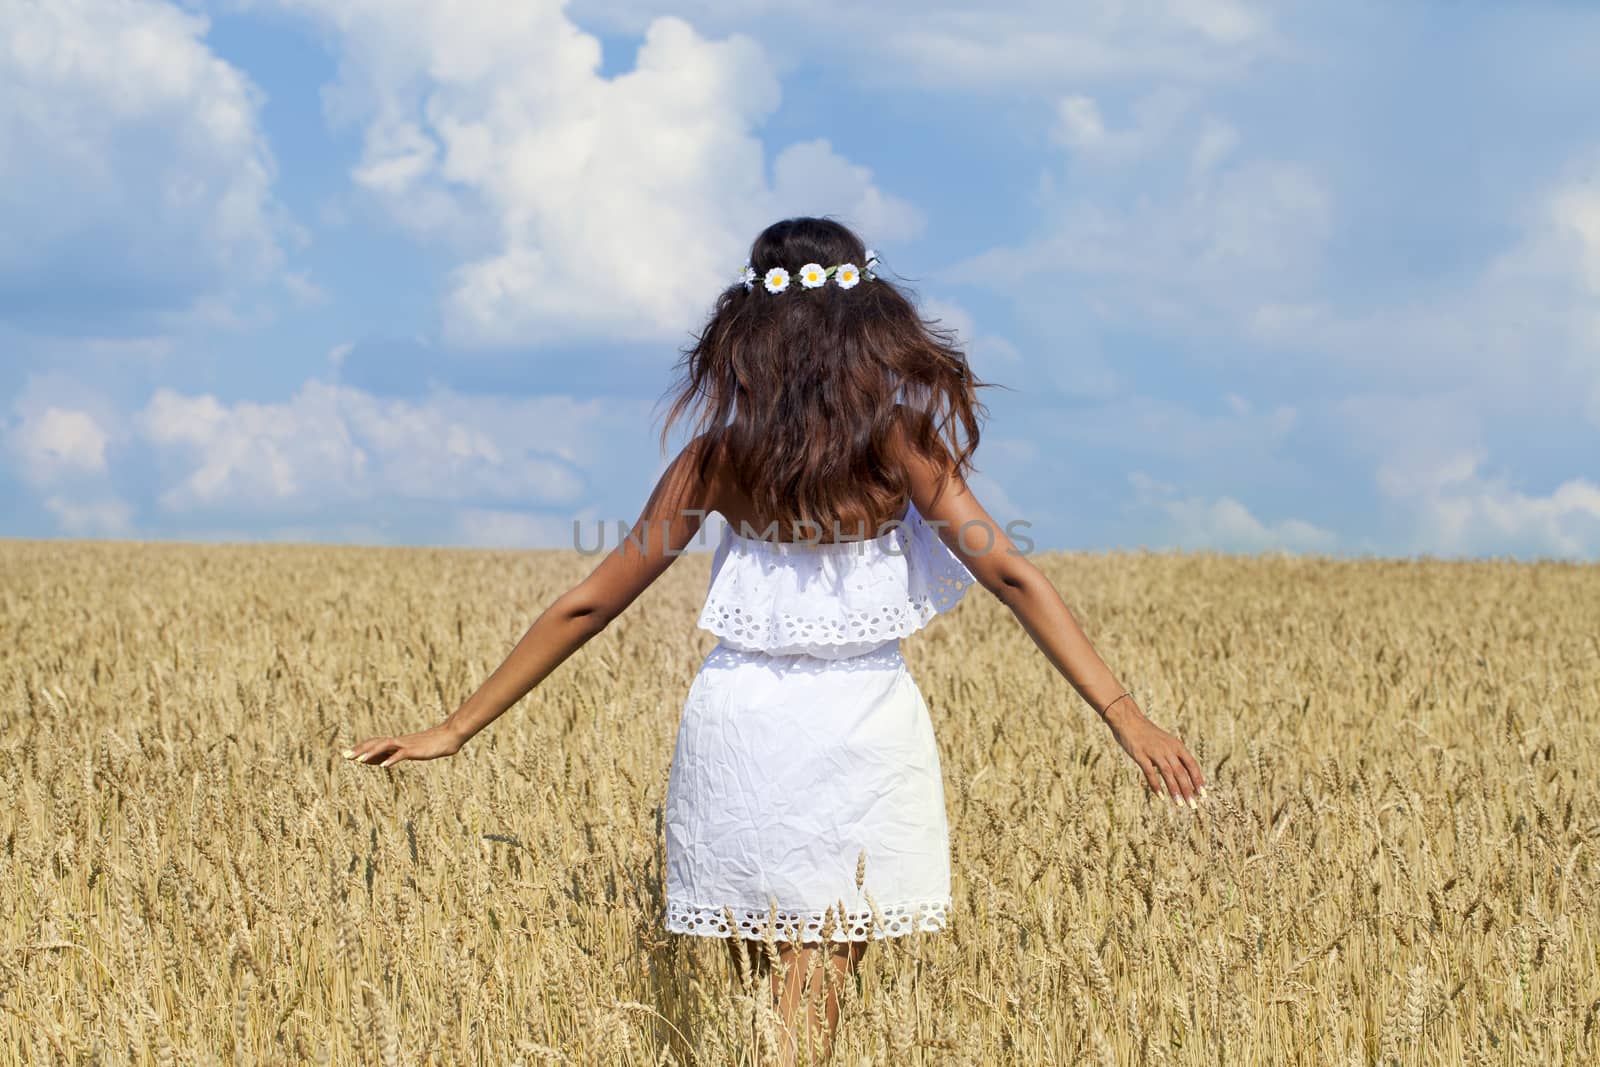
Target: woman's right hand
x=387 y=751
x=1167 y=765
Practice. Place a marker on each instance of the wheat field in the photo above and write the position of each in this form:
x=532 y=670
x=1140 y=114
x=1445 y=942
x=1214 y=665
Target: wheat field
x=1396 y=865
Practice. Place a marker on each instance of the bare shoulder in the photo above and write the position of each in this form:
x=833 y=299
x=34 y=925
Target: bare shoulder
x=945 y=500
x=927 y=475
x=697 y=475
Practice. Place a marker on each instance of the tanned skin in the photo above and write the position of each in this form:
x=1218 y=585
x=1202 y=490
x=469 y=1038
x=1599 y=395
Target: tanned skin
x=669 y=523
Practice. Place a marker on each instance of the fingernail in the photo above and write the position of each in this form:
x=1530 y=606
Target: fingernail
x=348 y=753
x=1202 y=790
x=1192 y=805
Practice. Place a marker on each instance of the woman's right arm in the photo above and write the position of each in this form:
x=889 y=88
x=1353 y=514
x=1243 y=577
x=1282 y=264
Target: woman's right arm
x=668 y=522
x=670 y=519
x=962 y=523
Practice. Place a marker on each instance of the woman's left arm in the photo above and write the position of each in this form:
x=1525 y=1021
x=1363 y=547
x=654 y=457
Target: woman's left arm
x=670 y=520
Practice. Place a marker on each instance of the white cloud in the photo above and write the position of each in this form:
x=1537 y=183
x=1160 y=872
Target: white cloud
x=1574 y=209
x=1224 y=523
x=330 y=444
x=499 y=528
x=56 y=443
x=1227 y=524
x=133 y=170
x=104 y=517
x=1574 y=213
x=952 y=47
x=60 y=352
x=1520 y=339
x=995 y=500
x=1231 y=247
x=1023 y=44
x=1462 y=512
x=1148 y=486
x=991 y=357
x=1140 y=425
x=1216 y=142
x=1075 y=361
x=1082 y=127
x=1518 y=345
x=1428 y=455
x=1080 y=124
x=580 y=205
x=584 y=531
x=950 y=316
x=1039 y=43
x=1200 y=253
x=812 y=179
x=1017 y=450
x=62 y=442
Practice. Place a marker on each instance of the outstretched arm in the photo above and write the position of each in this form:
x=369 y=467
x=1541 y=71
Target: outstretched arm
x=670 y=519
x=994 y=560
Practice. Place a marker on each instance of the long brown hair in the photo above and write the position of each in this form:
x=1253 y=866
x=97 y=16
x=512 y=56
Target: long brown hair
x=801 y=390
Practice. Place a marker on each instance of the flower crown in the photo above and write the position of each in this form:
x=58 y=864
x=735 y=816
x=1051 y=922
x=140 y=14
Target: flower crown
x=813 y=275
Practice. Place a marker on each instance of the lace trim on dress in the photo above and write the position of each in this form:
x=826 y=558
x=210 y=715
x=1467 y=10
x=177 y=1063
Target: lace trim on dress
x=831 y=600
x=883 y=657
x=893 y=920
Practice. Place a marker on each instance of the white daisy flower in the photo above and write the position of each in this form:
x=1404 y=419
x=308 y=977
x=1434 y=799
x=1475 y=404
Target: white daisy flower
x=848 y=276
x=812 y=275
x=777 y=280
x=748 y=277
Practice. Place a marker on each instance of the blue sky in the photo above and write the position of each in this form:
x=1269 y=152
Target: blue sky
x=1256 y=276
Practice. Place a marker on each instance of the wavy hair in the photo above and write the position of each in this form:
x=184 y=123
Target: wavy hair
x=802 y=390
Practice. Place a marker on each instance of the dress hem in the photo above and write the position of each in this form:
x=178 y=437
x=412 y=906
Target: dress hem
x=929 y=915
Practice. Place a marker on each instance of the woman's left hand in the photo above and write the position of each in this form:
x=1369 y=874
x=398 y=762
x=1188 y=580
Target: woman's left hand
x=428 y=744
x=1161 y=756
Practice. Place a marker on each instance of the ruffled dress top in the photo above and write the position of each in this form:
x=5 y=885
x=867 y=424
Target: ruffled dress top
x=805 y=787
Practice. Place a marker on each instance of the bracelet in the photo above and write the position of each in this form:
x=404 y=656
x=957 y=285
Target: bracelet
x=1108 y=706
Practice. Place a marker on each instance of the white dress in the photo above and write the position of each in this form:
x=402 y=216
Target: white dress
x=805 y=745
